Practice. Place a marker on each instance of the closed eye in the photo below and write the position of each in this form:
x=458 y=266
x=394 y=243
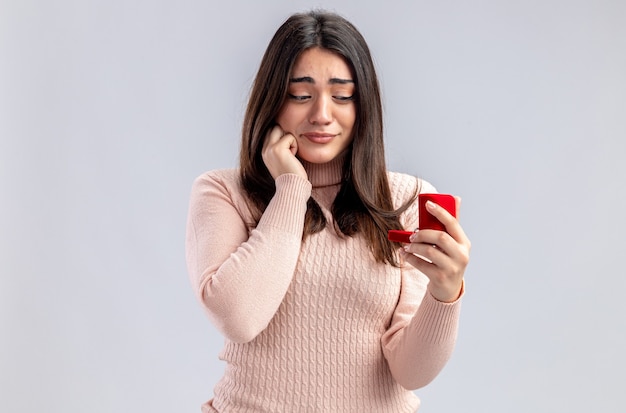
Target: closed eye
x=298 y=98
x=344 y=98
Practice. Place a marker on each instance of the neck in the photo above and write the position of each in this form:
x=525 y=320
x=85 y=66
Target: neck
x=325 y=174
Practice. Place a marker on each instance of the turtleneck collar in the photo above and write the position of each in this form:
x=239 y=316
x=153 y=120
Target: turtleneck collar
x=325 y=174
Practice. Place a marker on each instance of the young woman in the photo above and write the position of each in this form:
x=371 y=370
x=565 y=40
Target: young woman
x=289 y=256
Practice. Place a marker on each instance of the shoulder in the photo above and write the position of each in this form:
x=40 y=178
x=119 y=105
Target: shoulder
x=220 y=190
x=225 y=175
x=404 y=189
x=223 y=183
x=403 y=186
x=227 y=178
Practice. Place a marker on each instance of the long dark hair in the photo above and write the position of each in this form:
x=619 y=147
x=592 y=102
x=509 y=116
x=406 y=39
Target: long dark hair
x=363 y=204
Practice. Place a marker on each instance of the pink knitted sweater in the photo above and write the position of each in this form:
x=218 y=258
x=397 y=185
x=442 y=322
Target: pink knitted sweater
x=313 y=326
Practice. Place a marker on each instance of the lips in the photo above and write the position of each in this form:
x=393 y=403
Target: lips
x=319 y=137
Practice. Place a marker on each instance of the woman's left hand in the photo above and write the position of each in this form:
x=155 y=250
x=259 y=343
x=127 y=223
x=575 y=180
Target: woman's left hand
x=441 y=256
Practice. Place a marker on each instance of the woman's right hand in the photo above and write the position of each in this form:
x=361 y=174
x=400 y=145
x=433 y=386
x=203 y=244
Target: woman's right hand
x=279 y=154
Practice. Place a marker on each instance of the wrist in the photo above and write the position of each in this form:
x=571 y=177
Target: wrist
x=448 y=294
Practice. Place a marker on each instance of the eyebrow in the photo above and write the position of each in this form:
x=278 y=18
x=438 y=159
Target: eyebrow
x=332 y=81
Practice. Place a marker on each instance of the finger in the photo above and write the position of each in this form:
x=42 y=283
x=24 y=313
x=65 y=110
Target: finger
x=458 y=206
x=423 y=241
x=420 y=263
x=434 y=272
x=451 y=223
x=430 y=252
x=437 y=266
x=290 y=142
x=294 y=145
x=273 y=136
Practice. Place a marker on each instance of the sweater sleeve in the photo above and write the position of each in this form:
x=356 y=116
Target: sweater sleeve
x=241 y=277
x=422 y=334
x=423 y=331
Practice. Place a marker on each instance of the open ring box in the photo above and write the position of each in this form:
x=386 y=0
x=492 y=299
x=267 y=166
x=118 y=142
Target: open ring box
x=426 y=220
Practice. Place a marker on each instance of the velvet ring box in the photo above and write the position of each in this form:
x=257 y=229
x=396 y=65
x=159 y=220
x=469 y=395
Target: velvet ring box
x=426 y=220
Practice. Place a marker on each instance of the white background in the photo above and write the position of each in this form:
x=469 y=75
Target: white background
x=109 y=109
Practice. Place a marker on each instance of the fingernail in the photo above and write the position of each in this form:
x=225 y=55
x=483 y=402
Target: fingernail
x=431 y=205
x=412 y=237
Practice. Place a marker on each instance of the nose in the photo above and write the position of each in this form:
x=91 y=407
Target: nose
x=321 y=111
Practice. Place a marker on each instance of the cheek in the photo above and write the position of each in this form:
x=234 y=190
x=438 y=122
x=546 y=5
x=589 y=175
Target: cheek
x=285 y=119
x=348 y=118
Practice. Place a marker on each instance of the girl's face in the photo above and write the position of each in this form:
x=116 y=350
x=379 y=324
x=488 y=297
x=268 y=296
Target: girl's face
x=319 y=109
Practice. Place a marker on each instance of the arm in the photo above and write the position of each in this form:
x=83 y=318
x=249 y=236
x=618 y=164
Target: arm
x=422 y=334
x=423 y=330
x=241 y=278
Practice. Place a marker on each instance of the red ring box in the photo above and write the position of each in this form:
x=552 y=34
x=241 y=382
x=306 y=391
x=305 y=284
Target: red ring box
x=428 y=221
x=397 y=235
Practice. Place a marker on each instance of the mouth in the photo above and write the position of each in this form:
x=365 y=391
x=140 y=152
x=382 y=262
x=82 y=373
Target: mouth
x=319 y=137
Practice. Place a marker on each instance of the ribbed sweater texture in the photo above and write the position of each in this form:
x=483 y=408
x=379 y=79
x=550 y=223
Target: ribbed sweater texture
x=313 y=326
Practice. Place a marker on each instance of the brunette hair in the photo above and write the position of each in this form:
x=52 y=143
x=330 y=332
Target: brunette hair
x=363 y=204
